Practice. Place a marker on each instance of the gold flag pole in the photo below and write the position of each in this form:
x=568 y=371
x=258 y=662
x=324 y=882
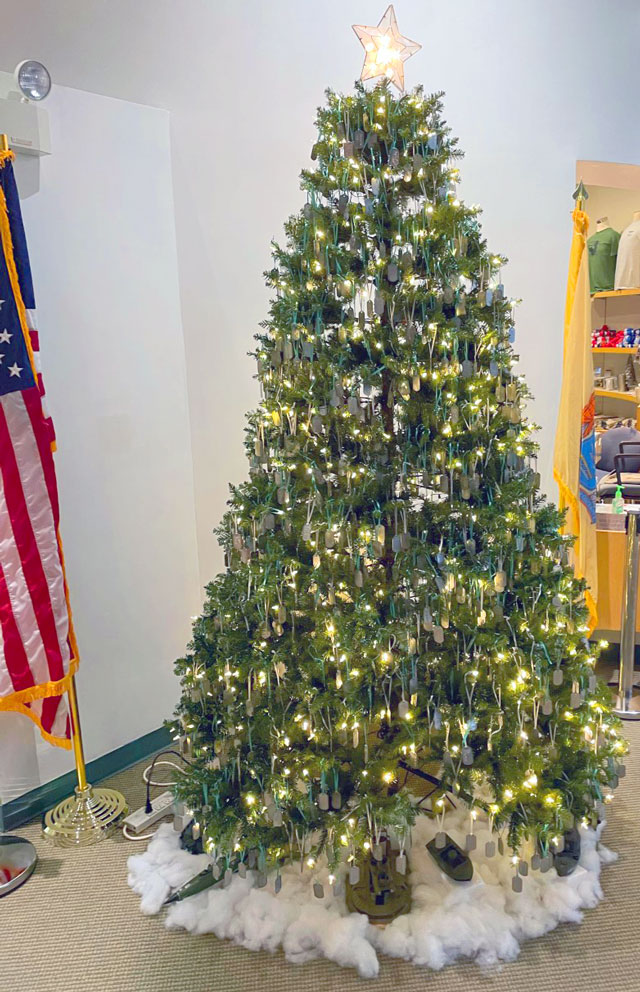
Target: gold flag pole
x=90 y=814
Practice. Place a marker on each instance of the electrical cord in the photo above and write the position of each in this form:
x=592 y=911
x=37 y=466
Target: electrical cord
x=148 y=771
x=130 y=836
x=160 y=785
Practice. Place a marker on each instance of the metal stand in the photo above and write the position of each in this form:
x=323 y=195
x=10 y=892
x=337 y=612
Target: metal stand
x=627 y=701
x=91 y=814
x=18 y=859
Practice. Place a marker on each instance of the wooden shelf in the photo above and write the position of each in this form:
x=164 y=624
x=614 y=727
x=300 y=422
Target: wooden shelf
x=614 y=351
x=612 y=294
x=612 y=394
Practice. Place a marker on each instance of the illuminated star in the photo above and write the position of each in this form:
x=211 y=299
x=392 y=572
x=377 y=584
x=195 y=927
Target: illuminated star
x=386 y=50
x=14 y=369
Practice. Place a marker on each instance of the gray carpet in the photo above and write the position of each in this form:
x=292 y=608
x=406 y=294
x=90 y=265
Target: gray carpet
x=75 y=926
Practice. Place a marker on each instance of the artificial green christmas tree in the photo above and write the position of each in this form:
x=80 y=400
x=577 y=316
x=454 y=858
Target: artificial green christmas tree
x=397 y=596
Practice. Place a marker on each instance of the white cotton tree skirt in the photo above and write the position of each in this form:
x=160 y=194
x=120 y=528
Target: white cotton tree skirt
x=482 y=919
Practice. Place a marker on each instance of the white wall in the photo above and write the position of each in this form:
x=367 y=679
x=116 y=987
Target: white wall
x=101 y=234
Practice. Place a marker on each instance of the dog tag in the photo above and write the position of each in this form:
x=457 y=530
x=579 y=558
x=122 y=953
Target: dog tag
x=593 y=682
x=535 y=862
x=336 y=800
x=392 y=272
x=516 y=883
x=471 y=842
x=500 y=846
x=546 y=863
x=277 y=885
x=277 y=818
x=242 y=870
x=329 y=539
x=318 y=890
x=323 y=801
x=490 y=849
x=228 y=877
x=403 y=708
x=401 y=864
x=547 y=707
x=441 y=840
x=557 y=676
x=354 y=874
x=467 y=755
x=438 y=635
x=523 y=867
x=493 y=368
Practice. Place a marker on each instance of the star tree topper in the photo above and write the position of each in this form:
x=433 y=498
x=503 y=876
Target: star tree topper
x=386 y=50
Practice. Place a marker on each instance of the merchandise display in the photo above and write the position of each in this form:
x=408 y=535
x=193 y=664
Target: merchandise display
x=608 y=337
x=397 y=590
x=628 y=261
x=603 y=249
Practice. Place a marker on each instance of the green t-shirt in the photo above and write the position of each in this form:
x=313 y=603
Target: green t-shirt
x=603 y=248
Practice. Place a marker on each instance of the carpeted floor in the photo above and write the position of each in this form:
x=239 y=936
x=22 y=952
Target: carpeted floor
x=76 y=926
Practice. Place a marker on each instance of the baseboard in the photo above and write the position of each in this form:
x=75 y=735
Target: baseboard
x=36 y=802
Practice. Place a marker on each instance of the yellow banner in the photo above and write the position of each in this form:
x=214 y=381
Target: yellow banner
x=574 y=467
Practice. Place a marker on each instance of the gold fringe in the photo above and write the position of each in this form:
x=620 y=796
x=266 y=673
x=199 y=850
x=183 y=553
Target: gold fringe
x=43 y=691
x=63 y=742
x=7 y=156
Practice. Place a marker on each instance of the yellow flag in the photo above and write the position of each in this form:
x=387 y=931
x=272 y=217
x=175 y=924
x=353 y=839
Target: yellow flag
x=574 y=460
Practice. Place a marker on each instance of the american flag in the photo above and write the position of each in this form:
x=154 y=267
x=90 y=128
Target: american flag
x=38 y=653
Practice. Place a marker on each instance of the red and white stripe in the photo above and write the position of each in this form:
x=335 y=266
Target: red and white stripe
x=35 y=627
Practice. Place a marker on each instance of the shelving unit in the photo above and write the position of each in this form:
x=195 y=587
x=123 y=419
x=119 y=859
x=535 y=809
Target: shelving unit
x=614 y=351
x=616 y=394
x=613 y=192
x=615 y=402
x=612 y=294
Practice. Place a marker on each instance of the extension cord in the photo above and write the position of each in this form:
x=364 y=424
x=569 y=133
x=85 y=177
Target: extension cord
x=139 y=821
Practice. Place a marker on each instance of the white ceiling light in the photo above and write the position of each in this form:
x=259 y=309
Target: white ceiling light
x=33 y=80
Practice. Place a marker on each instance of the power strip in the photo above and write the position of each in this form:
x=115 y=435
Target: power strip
x=139 y=821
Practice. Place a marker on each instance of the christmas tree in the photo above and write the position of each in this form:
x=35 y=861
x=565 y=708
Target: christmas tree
x=397 y=599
